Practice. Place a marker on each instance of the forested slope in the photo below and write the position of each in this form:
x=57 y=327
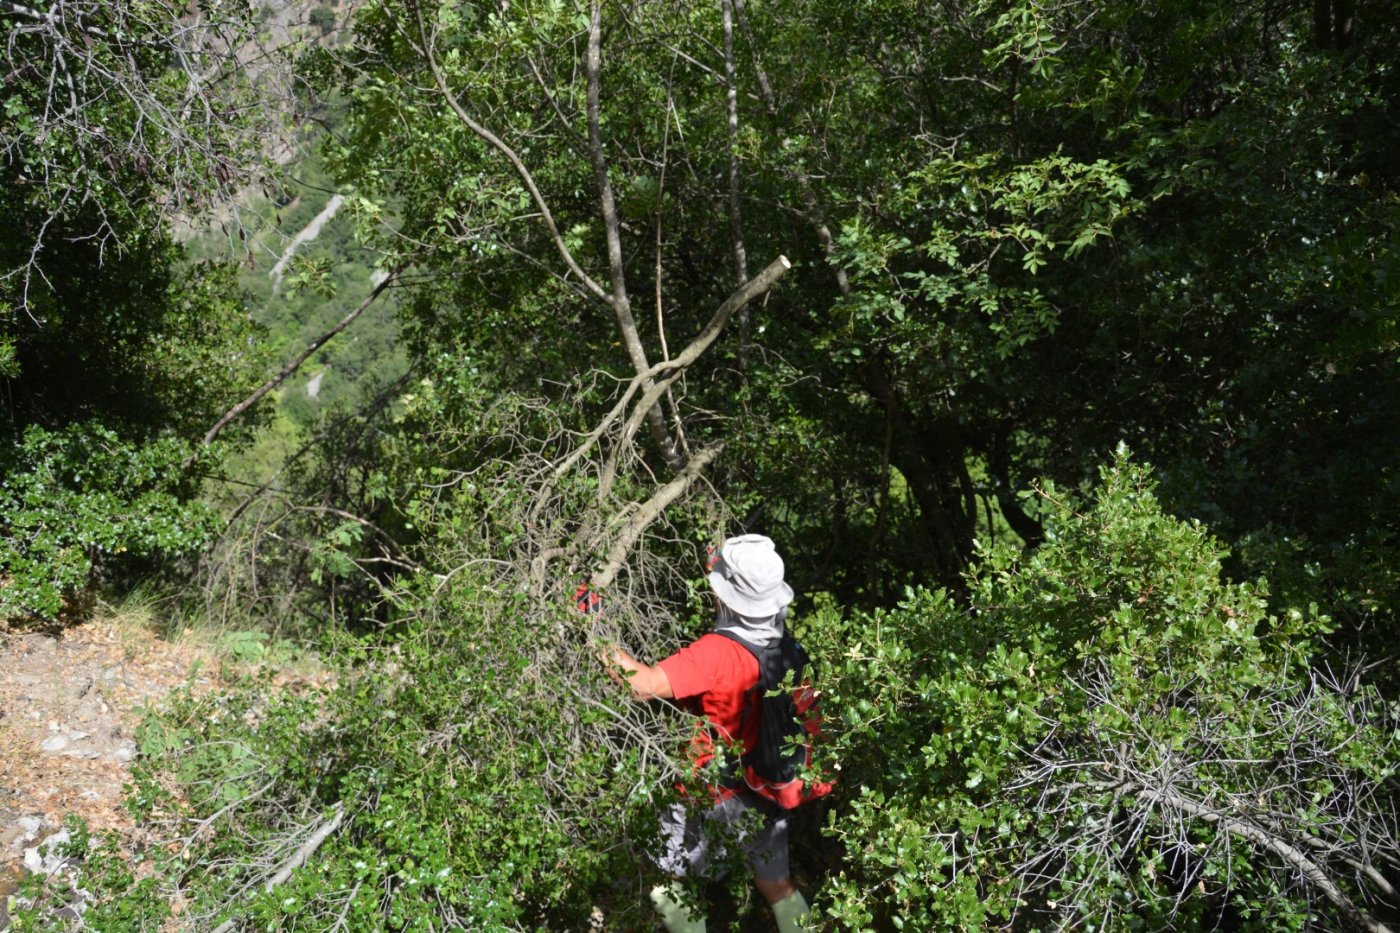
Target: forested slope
x=1055 y=345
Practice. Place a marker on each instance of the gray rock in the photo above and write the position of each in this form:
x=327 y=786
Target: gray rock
x=44 y=858
x=76 y=744
x=33 y=861
x=16 y=835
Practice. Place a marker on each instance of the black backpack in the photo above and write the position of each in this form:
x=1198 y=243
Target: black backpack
x=788 y=725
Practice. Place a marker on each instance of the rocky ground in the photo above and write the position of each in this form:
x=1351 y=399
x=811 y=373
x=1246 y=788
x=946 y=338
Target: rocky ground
x=69 y=705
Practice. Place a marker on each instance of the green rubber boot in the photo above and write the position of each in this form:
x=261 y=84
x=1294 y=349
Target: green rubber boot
x=791 y=913
x=675 y=915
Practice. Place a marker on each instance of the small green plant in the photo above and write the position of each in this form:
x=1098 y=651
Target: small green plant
x=244 y=647
x=251 y=647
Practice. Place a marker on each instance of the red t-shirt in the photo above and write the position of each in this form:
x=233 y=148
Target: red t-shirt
x=712 y=677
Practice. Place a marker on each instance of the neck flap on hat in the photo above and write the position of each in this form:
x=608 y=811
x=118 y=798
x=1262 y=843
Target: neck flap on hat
x=757 y=631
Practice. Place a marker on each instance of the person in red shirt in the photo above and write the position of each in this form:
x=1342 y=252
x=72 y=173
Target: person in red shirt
x=712 y=677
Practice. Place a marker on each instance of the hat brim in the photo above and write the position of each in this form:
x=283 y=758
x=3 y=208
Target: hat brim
x=771 y=603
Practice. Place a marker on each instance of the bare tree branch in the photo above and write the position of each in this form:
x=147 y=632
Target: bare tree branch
x=1289 y=853
x=1135 y=789
x=298 y=858
x=673 y=367
x=307 y=849
x=621 y=305
x=649 y=511
x=735 y=302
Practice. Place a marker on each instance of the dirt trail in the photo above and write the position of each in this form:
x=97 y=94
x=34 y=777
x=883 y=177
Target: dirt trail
x=69 y=704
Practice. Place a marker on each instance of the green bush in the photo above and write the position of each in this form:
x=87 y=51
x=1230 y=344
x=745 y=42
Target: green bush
x=476 y=784
x=1109 y=736
x=79 y=496
x=137 y=357
x=1106 y=735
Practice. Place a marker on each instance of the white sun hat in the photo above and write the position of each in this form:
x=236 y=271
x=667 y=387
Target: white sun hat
x=748 y=576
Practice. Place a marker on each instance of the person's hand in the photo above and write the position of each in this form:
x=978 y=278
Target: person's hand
x=612 y=664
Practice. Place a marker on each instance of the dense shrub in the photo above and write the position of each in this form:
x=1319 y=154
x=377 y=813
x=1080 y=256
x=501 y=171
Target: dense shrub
x=73 y=497
x=1110 y=736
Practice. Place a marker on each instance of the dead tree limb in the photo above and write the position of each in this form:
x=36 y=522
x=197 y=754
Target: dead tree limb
x=307 y=848
x=298 y=858
x=649 y=511
x=659 y=377
x=668 y=368
x=1289 y=853
x=671 y=368
x=737 y=301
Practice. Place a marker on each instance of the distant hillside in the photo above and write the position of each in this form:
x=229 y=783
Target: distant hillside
x=283 y=232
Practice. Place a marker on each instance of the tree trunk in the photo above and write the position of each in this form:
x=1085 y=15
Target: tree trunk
x=931 y=455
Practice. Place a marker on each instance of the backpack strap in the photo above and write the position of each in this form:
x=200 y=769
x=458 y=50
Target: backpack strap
x=762 y=685
x=758 y=655
x=734 y=776
x=774 y=660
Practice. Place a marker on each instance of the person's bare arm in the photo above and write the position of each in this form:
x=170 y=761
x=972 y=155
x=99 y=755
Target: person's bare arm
x=646 y=681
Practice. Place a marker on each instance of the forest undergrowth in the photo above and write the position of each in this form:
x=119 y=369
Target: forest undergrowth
x=1055 y=345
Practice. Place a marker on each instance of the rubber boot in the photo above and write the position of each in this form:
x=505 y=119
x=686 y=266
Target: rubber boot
x=675 y=915
x=791 y=913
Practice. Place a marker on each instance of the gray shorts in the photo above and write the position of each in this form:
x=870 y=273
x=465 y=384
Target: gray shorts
x=759 y=828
